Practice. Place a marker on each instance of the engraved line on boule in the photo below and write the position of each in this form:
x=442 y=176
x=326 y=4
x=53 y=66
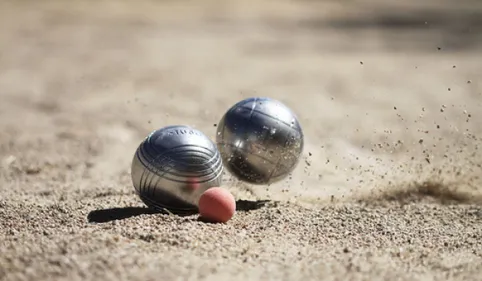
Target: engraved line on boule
x=159 y=178
x=142 y=184
x=177 y=150
x=248 y=100
x=147 y=147
x=144 y=188
x=164 y=173
x=278 y=120
x=147 y=188
x=246 y=131
x=208 y=171
x=153 y=189
x=192 y=159
x=161 y=171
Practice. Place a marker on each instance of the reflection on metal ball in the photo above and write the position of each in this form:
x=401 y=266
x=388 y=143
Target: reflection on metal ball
x=260 y=140
x=173 y=166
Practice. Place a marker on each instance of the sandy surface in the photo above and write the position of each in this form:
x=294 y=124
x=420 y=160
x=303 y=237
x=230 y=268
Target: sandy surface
x=389 y=98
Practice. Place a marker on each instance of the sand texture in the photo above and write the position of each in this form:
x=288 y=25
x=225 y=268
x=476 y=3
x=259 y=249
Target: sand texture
x=389 y=94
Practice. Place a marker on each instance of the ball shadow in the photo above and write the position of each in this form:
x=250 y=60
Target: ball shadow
x=108 y=215
x=248 y=205
x=112 y=214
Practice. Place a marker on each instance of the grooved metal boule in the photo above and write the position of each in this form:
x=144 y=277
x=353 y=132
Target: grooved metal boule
x=260 y=140
x=173 y=166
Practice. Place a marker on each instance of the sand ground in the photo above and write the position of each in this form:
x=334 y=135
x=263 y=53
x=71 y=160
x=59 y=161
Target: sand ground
x=388 y=93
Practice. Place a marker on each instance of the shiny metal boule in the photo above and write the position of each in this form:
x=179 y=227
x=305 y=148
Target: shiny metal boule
x=260 y=140
x=173 y=166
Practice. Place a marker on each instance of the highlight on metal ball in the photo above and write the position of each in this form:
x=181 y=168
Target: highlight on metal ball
x=260 y=140
x=173 y=166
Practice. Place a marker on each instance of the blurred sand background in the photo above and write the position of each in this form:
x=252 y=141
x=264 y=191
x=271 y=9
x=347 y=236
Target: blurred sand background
x=388 y=93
